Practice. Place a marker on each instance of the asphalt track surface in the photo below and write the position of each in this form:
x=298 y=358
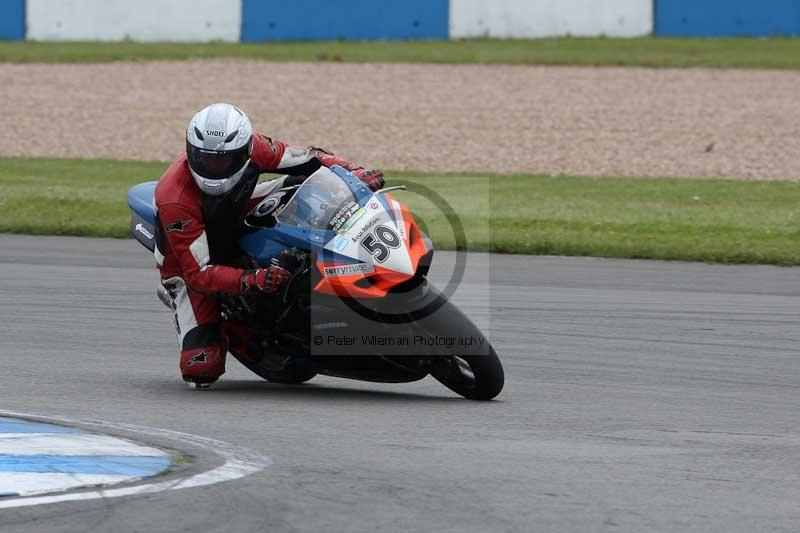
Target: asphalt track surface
x=640 y=396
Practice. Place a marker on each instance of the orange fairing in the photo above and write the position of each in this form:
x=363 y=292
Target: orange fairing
x=378 y=282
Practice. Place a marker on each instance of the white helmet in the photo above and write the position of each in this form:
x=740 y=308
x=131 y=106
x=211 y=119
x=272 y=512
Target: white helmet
x=219 y=142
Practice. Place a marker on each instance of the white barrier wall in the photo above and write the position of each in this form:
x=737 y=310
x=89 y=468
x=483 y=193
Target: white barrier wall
x=550 y=18
x=139 y=20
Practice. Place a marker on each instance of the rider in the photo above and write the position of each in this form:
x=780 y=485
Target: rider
x=201 y=201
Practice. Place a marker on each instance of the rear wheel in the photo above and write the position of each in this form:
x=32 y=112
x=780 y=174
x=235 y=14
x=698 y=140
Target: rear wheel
x=295 y=372
x=292 y=375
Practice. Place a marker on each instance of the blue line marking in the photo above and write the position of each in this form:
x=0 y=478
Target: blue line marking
x=10 y=425
x=85 y=464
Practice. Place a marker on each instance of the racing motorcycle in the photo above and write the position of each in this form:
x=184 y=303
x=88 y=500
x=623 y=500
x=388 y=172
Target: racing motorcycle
x=358 y=304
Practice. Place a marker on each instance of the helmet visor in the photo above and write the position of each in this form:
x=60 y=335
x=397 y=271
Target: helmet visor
x=217 y=165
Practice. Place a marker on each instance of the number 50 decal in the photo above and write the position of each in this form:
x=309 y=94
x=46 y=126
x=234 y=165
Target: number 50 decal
x=386 y=238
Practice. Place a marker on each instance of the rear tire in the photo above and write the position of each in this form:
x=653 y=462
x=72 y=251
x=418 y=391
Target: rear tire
x=296 y=372
x=291 y=377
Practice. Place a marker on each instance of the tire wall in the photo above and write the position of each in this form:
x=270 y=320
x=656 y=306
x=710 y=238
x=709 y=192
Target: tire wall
x=271 y=20
x=727 y=18
x=549 y=18
x=142 y=20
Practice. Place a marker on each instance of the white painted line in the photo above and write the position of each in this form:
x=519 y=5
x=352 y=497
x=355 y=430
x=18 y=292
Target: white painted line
x=38 y=458
x=239 y=462
x=85 y=444
x=12 y=482
x=23 y=435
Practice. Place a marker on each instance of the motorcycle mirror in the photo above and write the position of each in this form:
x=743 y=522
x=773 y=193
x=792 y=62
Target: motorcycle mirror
x=389 y=189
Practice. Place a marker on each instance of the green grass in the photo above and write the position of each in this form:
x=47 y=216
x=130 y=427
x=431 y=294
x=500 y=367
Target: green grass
x=657 y=218
x=704 y=220
x=648 y=51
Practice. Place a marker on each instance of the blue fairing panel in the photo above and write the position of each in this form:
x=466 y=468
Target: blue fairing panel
x=265 y=244
x=140 y=200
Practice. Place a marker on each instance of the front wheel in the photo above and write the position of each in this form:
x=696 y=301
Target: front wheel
x=471 y=369
x=475 y=377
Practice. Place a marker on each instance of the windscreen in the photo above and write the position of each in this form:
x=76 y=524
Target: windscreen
x=320 y=199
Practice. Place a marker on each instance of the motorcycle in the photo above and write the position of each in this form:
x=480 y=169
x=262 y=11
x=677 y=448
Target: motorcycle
x=358 y=304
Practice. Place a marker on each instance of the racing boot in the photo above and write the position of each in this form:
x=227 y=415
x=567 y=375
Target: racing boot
x=200 y=367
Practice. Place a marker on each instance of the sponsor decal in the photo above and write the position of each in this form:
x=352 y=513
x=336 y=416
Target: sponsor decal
x=347 y=270
x=365 y=229
x=298 y=153
x=330 y=325
x=215 y=133
x=342 y=215
x=401 y=223
x=199 y=358
x=340 y=243
x=267 y=206
x=178 y=225
x=141 y=229
x=374 y=206
x=355 y=217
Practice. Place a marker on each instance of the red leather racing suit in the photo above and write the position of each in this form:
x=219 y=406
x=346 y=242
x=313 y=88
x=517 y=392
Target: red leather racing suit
x=197 y=234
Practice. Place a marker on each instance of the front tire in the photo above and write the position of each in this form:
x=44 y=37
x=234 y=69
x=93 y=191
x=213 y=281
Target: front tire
x=475 y=377
x=474 y=371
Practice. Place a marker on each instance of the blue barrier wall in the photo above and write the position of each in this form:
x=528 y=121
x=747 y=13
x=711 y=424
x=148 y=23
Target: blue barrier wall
x=275 y=20
x=12 y=19
x=308 y=20
x=727 y=18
